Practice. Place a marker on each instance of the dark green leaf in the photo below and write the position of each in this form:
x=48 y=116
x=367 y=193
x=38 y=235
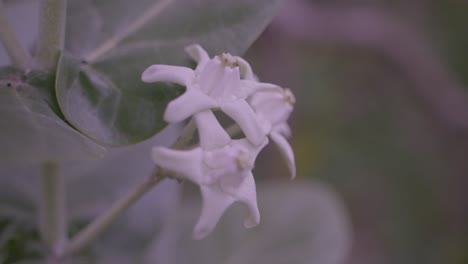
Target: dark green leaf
x=103 y=95
x=110 y=114
x=301 y=223
x=31 y=131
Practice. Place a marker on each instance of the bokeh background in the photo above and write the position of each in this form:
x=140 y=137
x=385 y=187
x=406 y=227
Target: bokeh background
x=380 y=133
x=382 y=116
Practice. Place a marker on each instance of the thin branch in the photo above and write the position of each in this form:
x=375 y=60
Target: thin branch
x=186 y=135
x=95 y=228
x=373 y=30
x=147 y=16
x=18 y=55
x=52 y=209
x=52 y=18
x=98 y=225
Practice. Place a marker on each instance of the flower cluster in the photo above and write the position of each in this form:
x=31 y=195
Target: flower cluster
x=220 y=165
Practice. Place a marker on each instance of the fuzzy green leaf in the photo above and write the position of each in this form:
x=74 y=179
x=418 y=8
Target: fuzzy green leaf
x=31 y=129
x=116 y=40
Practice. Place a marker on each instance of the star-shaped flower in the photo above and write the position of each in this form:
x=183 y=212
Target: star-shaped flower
x=215 y=84
x=222 y=168
x=273 y=109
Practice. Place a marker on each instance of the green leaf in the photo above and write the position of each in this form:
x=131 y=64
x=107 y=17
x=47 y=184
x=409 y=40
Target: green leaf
x=117 y=40
x=301 y=223
x=126 y=166
x=110 y=114
x=31 y=131
x=147 y=29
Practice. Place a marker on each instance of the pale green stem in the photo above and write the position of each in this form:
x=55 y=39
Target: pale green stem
x=52 y=18
x=233 y=130
x=186 y=135
x=52 y=208
x=18 y=55
x=95 y=228
x=98 y=225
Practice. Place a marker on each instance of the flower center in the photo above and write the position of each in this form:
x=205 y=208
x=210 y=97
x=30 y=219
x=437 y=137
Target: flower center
x=288 y=96
x=228 y=60
x=243 y=161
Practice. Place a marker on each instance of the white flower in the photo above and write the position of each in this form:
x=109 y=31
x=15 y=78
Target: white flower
x=273 y=108
x=222 y=168
x=215 y=83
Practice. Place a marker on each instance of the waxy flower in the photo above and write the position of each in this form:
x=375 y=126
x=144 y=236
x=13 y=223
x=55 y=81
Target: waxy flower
x=220 y=165
x=273 y=109
x=215 y=84
x=222 y=168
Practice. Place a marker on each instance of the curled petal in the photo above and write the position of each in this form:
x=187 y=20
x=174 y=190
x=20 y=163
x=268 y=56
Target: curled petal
x=252 y=149
x=211 y=75
x=286 y=151
x=198 y=54
x=212 y=135
x=245 y=117
x=267 y=99
x=283 y=129
x=185 y=163
x=167 y=73
x=245 y=193
x=249 y=87
x=217 y=199
x=245 y=69
x=189 y=103
x=215 y=202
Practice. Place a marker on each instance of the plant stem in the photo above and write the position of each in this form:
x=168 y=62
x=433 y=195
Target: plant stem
x=52 y=18
x=18 y=55
x=95 y=228
x=186 y=135
x=233 y=130
x=98 y=225
x=149 y=13
x=52 y=210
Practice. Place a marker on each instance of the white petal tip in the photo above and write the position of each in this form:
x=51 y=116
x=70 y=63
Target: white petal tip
x=201 y=232
x=190 y=49
x=293 y=175
x=167 y=73
x=150 y=73
x=171 y=118
x=196 y=52
x=292 y=169
x=250 y=223
x=155 y=154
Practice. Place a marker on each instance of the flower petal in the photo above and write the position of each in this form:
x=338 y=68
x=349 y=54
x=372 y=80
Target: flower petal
x=212 y=135
x=245 y=193
x=286 y=151
x=252 y=149
x=189 y=103
x=283 y=129
x=245 y=69
x=168 y=73
x=249 y=87
x=245 y=117
x=198 y=54
x=228 y=85
x=215 y=202
x=211 y=75
x=185 y=163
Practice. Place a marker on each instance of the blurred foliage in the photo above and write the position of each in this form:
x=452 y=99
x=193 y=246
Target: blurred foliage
x=363 y=123
x=18 y=242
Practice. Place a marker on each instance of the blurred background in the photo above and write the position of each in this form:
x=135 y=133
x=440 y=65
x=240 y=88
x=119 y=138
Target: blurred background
x=382 y=116
x=380 y=133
